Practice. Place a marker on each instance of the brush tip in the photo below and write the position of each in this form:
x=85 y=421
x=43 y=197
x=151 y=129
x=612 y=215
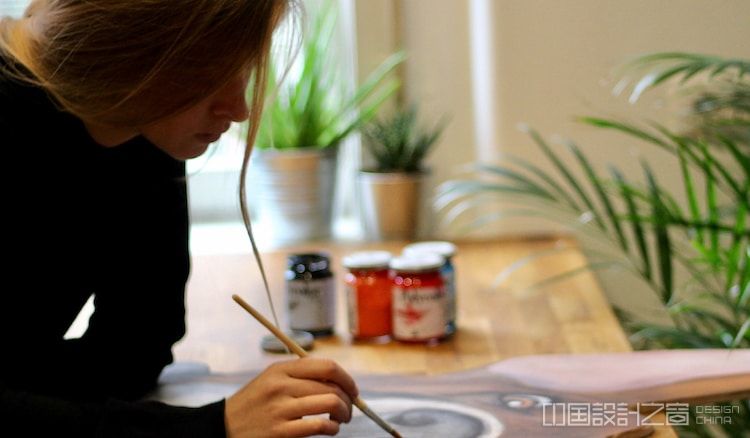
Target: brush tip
x=396 y=434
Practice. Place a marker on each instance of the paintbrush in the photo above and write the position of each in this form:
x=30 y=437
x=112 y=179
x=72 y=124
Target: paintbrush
x=299 y=351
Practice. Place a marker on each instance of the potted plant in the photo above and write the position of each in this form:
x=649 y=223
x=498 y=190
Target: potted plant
x=694 y=252
x=293 y=166
x=391 y=188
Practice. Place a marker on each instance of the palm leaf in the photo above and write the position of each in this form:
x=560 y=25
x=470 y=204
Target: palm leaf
x=740 y=157
x=690 y=193
x=711 y=206
x=517 y=177
x=588 y=267
x=572 y=181
x=545 y=178
x=734 y=254
x=743 y=335
x=521 y=263
x=665 y=66
x=664 y=248
x=669 y=337
x=627 y=129
x=595 y=182
x=719 y=321
x=638 y=230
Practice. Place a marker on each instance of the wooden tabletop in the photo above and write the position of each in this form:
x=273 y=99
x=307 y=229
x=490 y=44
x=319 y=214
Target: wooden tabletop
x=494 y=321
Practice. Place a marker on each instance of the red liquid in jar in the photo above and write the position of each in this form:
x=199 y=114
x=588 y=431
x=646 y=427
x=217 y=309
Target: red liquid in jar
x=419 y=299
x=369 y=294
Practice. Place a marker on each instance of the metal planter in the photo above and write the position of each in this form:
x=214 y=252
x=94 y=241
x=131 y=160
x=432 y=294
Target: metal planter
x=293 y=192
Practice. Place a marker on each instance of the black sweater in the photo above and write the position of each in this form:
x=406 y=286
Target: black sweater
x=82 y=219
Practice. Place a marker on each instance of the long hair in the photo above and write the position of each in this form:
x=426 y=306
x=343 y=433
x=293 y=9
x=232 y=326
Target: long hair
x=128 y=63
x=131 y=62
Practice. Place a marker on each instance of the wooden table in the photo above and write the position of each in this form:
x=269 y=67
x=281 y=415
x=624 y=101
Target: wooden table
x=494 y=323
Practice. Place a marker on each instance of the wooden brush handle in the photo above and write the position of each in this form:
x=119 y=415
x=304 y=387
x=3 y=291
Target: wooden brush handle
x=299 y=351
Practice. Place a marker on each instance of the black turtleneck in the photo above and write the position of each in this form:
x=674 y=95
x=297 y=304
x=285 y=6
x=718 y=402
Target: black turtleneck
x=82 y=219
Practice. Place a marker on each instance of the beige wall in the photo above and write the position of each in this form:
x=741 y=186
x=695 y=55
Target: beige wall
x=546 y=61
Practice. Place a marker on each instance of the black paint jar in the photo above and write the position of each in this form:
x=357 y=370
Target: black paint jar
x=311 y=294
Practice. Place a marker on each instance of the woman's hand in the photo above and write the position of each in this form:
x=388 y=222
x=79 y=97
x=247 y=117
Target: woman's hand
x=273 y=404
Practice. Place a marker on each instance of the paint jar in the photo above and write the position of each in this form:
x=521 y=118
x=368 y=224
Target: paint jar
x=448 y=251
x=368 y=292
x=419 y=299
x=310 y=294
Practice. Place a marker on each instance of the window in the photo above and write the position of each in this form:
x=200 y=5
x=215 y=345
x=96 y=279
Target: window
x=14 y=8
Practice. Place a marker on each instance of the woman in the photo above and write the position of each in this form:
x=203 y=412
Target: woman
x=100 y=101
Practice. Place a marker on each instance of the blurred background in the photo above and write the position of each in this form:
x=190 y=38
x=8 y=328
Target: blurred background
x=492 y=65
x=484 y=120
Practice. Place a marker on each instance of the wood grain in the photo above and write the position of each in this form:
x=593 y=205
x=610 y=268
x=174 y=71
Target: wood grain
x=494 y=323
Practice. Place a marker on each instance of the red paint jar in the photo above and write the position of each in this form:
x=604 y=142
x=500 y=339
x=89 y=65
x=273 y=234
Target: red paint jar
x=420 y=303
x=368 y=293
x=447 y=250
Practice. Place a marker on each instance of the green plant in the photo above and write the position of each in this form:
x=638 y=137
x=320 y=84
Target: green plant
x=397 y=143
x=642 y=225
x=310 y=108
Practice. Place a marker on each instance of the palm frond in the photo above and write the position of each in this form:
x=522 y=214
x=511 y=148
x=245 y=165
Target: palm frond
x=664 y=248
x=568 y=176
x=637 y=225
x=598 y=185
x=662 y=67
x=701 y=232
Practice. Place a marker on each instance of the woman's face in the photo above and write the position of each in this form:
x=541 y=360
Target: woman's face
x=188 y=134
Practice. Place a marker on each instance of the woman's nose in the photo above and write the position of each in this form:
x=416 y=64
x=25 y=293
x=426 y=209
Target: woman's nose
x=231 y=103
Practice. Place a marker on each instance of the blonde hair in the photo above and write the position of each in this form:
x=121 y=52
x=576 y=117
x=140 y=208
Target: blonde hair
x=131 y=62
x=128 y=63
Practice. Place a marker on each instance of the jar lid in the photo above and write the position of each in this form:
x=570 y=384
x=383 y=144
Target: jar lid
x=445 y=249
x=310 y=262
x=367 y=260
x=420 y=261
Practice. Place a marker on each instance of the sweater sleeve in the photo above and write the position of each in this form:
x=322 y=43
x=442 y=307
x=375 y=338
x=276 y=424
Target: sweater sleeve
x=28 y=414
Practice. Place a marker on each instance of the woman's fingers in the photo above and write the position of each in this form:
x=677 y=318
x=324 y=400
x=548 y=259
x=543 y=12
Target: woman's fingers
x=322 y=370
x=297 y=398
x=304 y=388
x=309 y=426
x=317 y=404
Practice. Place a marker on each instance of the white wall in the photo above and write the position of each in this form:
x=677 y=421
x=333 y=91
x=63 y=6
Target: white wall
x=546 y=61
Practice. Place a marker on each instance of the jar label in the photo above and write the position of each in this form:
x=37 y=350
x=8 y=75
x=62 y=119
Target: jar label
x=353 y=310
x=419 y=313
x=311 y=304
x=449 y=278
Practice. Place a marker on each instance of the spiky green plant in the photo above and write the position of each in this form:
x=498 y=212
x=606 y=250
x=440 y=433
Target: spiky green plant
x=310 y=108
x=397 y=143
x=642 y=225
